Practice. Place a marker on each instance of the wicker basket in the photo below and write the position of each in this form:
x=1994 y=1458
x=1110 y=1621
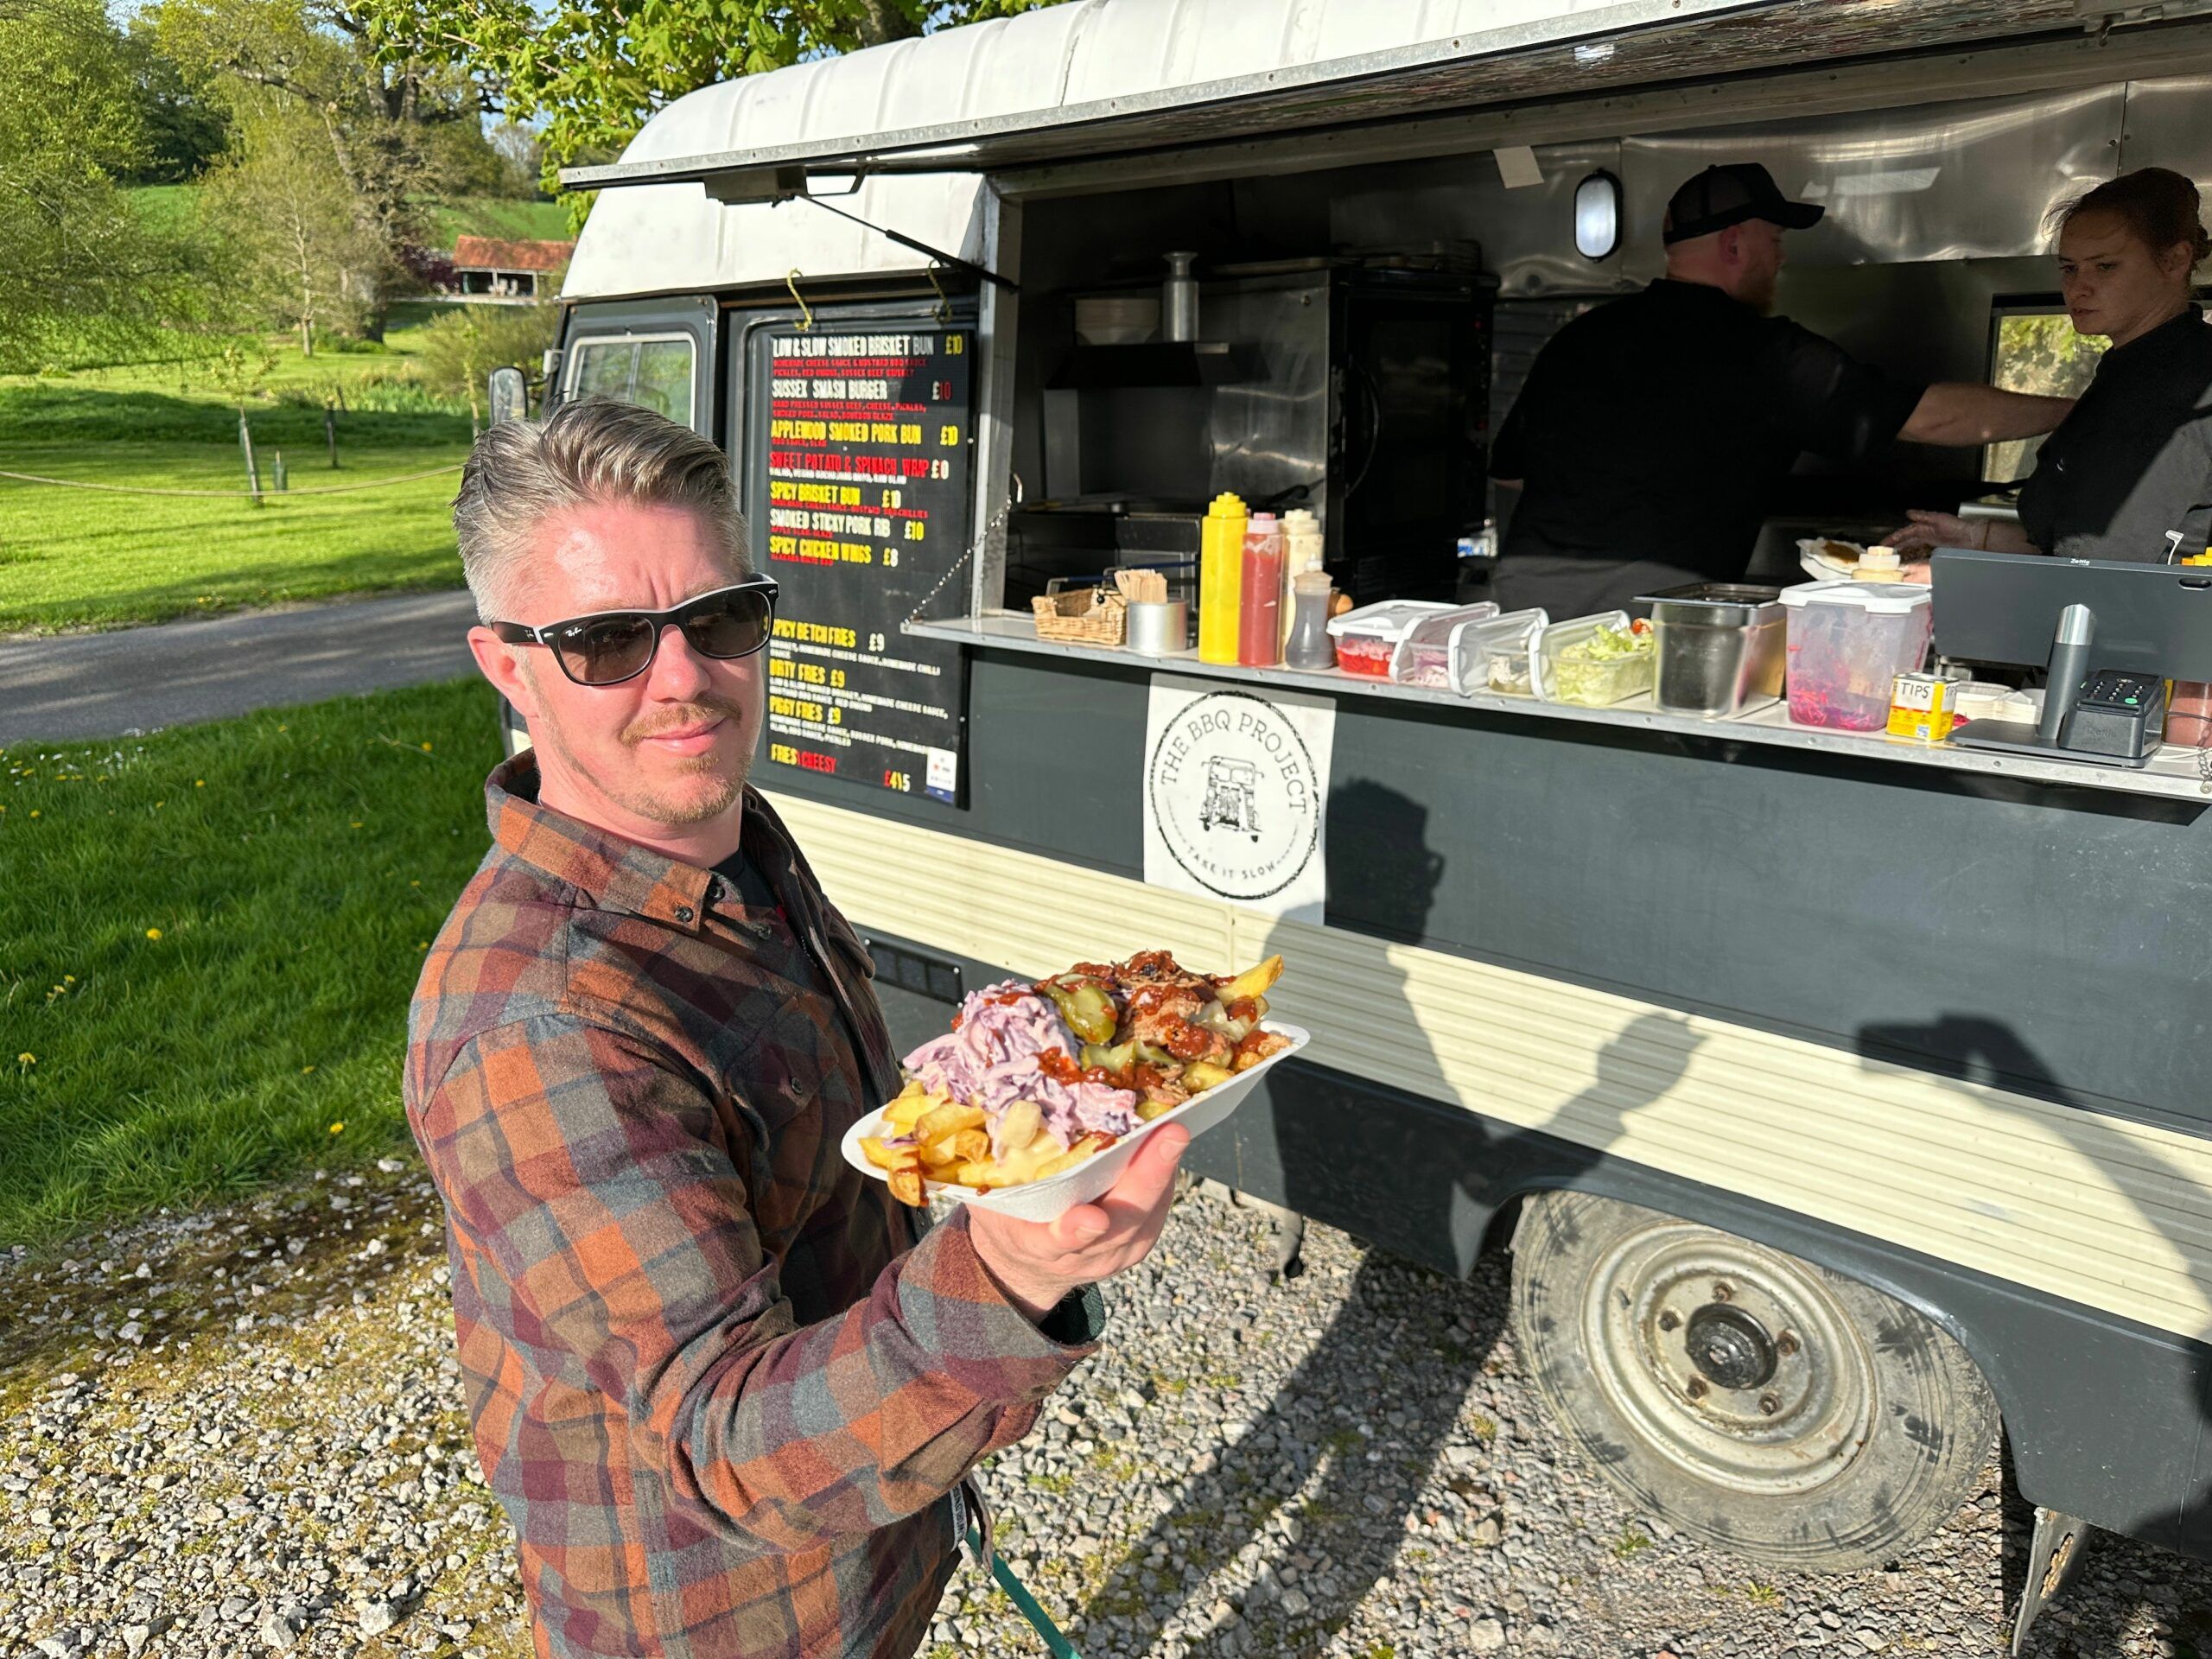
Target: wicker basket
x=1086 y=616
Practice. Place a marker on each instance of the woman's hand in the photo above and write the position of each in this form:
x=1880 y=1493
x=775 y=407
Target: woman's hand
x=1037 y=1263
x=1923 y=531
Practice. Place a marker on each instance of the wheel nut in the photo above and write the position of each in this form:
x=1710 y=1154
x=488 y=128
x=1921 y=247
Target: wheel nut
x=1722 y=1290
x=1669 y=1319
x=1697 y=1388
x=1786 y=1343
x=1769 y=1404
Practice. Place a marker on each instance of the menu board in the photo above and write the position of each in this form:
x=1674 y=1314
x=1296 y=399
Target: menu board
x=868 y=481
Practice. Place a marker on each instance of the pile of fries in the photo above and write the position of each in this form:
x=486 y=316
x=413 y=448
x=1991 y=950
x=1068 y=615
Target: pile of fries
x=951 y=1144
x=1145 y=1027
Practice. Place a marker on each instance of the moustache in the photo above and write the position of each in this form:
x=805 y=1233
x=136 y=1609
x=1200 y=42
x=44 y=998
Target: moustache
x=675 y=719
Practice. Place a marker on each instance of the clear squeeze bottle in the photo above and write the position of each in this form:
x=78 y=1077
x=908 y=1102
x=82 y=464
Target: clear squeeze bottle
x=1221 y=557
x=1259 y=598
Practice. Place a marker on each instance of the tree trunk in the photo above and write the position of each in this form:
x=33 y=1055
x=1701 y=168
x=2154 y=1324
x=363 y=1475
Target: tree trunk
x=883 y=21
x=307 y=337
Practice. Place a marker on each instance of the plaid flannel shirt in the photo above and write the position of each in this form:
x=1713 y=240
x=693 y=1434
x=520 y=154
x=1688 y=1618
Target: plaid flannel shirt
x=721 y=1382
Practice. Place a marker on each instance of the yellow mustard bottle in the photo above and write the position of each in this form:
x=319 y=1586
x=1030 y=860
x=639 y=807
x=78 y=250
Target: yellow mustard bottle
x=1221 y=553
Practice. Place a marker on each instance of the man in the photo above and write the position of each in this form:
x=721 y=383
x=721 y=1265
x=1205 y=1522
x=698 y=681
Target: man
x=723 y=1384
x=1652 y=431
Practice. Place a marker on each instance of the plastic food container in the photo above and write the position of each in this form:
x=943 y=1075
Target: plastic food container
x=1367 y=639
x=1848 y=641
x=1493 y=656
x=1052 y=1198
x=1564 y=672
x=1424 y=655
x=1720 y=648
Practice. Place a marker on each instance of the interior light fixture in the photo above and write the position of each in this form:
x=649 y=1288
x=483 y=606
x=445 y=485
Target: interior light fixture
x=1597 y=216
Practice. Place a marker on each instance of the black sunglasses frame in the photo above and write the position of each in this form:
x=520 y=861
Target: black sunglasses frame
x=522 y=633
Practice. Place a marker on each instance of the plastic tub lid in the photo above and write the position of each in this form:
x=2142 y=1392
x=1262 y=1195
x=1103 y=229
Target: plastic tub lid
x=1881 y=598
x=1387 y=621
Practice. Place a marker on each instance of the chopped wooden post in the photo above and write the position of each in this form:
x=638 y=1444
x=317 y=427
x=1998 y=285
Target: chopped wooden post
x=246 y=444
x=277 y=468
x=330 y=433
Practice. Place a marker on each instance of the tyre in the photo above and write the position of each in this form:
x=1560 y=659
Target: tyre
x=1798 y=1418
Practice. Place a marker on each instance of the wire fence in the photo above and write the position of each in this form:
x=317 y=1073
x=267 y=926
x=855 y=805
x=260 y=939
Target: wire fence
x=232 y=495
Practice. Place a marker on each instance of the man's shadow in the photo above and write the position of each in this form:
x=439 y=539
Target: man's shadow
x=1345 y=1440
x=1977 y=1050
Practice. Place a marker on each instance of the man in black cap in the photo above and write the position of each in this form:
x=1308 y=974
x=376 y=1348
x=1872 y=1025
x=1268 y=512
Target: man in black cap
x=1652 y=431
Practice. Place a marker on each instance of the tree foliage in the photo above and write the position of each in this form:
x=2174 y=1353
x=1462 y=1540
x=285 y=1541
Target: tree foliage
x=334 y=144
x=590 y=74
x=458 y=350
x=81 y=275
x=298 y=251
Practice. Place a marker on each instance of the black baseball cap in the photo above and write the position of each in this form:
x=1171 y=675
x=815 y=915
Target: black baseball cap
x=1721 y=196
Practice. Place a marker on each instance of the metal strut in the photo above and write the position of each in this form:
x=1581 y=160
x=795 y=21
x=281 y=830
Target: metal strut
x=950 y=261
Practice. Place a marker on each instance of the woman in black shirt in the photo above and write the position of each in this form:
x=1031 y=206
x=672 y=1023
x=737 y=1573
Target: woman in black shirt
x=2129 y=474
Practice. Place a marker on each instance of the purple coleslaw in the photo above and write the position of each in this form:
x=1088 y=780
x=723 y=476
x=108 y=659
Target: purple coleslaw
x=989 y=1060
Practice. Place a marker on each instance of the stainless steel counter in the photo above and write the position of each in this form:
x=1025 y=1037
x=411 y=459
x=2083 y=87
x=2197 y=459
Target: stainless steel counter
x=2173 y=773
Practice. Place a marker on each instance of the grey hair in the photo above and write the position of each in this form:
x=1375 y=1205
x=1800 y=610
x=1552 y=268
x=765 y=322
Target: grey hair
x=585 y=453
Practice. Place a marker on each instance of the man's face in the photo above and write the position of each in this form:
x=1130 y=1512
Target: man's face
x=668 y=749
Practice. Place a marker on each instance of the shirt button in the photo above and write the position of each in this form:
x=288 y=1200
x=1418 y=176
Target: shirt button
x=683 y=913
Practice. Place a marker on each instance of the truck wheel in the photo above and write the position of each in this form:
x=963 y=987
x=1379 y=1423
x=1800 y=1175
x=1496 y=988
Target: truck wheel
x=1781 y=1411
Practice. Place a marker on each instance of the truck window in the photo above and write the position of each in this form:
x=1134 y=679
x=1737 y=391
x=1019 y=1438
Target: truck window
x=653 y=371
x=2036 y=351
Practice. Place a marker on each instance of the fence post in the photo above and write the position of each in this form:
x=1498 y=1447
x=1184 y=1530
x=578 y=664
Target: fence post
x=277 y=467
x=245 y=445
x=330 y=433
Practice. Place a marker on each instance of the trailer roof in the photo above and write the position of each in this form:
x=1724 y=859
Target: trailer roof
x=917 y=122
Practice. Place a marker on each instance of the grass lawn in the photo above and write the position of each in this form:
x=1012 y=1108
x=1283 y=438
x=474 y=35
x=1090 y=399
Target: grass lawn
x=528 y=221
x=71 y=557
x=208 y=938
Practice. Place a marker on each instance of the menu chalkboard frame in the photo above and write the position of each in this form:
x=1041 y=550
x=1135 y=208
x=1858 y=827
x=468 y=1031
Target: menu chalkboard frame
x=753 y=401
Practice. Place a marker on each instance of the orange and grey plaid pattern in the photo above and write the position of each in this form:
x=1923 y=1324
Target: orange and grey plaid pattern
x=719 y=1386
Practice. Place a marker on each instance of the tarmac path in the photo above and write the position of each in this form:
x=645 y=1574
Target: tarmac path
x=134 y=680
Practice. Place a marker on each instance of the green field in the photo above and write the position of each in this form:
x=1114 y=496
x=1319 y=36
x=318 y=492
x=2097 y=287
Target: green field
x=539 y=221
x=75 y=557
x=169 y=206
x=211 y=937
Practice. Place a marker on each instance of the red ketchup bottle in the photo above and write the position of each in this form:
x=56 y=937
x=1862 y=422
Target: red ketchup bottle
x=1259 y=593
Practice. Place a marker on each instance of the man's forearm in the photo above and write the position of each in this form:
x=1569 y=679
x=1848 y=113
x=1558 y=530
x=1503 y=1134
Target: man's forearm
x=1956 y=412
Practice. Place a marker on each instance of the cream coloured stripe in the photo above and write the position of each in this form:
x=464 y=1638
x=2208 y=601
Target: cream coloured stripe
x=2112 y=1214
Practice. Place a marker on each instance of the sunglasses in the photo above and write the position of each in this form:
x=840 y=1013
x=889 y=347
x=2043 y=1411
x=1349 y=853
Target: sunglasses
x=608 y=647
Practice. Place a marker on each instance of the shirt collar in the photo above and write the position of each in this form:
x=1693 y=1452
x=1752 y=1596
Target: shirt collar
x=614 y=873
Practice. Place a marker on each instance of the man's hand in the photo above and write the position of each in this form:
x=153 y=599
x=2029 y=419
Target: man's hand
x=1927 y=530
x=1037 y=1263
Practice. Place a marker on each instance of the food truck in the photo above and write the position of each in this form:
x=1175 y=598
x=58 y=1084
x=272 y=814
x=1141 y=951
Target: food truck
x=1837 y=1095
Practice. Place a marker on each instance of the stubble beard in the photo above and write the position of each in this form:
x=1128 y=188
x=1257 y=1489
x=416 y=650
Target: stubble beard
x=636 y=796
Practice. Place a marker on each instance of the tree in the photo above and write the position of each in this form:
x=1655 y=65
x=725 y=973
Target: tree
x=397 y=129
x=183 y=120
x=459 y=350
x=81 y=275
x=591 y=73
x=299 y=252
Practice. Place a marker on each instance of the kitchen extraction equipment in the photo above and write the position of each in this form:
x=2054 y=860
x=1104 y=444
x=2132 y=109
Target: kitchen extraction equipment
x=1847 y=642
x=1720 y=647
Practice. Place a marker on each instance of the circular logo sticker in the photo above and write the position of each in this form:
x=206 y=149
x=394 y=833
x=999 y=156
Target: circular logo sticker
x=1233 y=795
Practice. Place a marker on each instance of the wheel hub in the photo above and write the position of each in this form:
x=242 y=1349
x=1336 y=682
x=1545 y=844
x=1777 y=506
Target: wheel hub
x=1732 y=1360
x=1730 y=1347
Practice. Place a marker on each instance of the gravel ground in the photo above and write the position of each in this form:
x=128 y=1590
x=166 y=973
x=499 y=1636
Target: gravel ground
x=240 y=1432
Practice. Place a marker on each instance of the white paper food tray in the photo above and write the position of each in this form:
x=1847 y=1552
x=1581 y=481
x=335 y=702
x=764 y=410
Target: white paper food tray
x=1049 y=1200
